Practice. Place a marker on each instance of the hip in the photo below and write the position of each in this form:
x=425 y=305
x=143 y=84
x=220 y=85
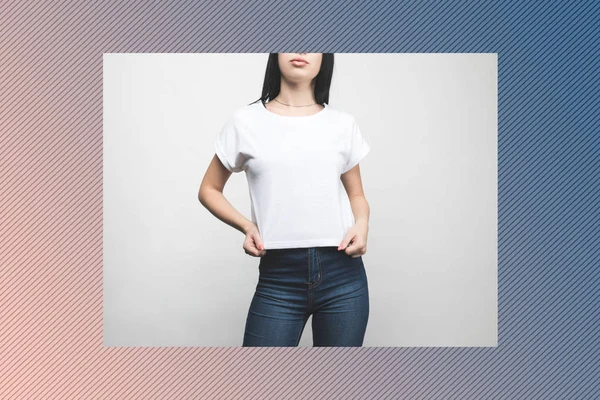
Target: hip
x=316 y=268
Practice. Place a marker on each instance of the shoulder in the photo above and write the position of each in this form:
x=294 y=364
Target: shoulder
x=244 y=114
x=237 y=118
x=246 y=111
x=339 y=113
x=344 y=117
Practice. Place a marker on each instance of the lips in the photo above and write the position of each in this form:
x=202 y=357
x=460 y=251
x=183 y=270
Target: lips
x=299 y=60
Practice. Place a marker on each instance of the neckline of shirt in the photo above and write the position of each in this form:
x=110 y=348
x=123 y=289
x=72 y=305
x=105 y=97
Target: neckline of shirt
x=293 y=117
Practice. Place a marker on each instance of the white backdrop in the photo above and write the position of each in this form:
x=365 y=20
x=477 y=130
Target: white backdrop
x=175 y=275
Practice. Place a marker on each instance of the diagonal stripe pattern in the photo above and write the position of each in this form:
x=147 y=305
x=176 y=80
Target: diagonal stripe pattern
x=51 y=201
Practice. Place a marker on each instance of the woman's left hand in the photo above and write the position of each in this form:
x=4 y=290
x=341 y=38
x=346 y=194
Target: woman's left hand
x=355 y=241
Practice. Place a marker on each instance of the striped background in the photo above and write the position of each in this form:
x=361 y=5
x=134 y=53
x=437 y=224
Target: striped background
x=51 y=200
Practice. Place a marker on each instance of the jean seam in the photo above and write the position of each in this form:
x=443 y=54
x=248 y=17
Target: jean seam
x=319 y=272
x=308 y=266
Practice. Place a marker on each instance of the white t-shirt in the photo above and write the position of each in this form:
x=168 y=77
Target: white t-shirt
x=293 y=166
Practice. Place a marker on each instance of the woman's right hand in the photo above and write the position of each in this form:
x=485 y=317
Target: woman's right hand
x=253 y=244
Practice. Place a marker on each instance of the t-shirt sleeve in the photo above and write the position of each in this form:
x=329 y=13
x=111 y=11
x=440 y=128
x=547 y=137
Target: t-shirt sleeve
x=228 y=144
x=359 y=147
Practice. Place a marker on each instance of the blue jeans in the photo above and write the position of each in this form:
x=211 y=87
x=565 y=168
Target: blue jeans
x=295 y=283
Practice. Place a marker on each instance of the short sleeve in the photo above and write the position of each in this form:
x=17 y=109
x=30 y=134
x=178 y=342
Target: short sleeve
x=358 y=148
x=228 y=144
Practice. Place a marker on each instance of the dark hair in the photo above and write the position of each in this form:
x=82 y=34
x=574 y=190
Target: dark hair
x=272 y=82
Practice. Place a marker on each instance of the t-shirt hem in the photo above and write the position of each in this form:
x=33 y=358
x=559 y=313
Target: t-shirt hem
x=302 y=243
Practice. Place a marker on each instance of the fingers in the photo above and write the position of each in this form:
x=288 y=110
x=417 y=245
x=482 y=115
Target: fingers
x=347 y=239
x=255 y=246
x=350 y=246
x=253 y=251
x=260 y=247
x=357 y=248
x=259 y=243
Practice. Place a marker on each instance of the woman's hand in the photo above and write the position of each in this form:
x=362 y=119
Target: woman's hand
x=355 y=241
x=253 y=244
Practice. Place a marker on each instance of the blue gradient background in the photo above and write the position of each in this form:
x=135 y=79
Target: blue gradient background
x=51 y=199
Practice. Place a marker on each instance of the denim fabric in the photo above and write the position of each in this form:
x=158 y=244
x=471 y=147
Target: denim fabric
x=295 y=283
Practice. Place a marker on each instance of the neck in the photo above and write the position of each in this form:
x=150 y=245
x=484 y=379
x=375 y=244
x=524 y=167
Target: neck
x=296 y=93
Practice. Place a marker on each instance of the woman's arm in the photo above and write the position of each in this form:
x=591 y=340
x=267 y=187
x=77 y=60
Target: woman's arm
x=357 y=235
x=211 y=196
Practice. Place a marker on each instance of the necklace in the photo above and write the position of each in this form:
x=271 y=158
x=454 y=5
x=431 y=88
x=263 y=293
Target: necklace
x=289 y=105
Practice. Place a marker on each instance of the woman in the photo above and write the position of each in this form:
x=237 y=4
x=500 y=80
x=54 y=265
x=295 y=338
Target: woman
x=309 y=214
